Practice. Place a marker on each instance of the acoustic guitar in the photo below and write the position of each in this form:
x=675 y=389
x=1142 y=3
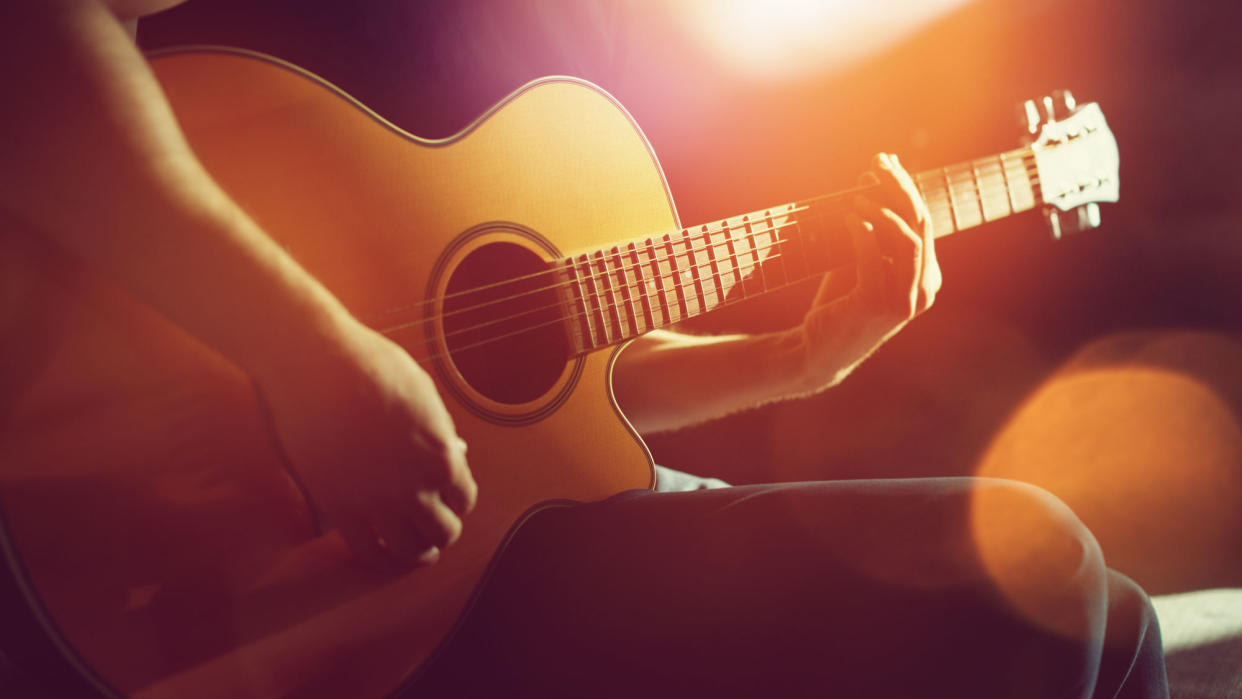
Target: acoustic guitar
x=150 y=525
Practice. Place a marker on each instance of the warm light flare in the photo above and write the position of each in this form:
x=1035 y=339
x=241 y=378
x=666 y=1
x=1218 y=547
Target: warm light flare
x=1147 y=457
x=785 y=39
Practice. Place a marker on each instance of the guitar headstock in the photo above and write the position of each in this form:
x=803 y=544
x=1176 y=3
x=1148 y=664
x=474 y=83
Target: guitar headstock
x=1076 y=158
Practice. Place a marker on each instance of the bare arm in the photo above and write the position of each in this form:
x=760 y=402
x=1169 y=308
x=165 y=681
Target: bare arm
x=95 y=161
x=667 y=380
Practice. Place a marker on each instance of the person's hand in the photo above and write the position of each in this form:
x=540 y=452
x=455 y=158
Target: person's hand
x=895 y=277
x=371 y=443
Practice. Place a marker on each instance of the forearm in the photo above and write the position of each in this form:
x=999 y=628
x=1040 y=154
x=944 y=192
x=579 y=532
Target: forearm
x=667 y=380
x=96 y=162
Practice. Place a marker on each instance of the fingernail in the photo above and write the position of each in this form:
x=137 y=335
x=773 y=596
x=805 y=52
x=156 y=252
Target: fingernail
x=855 y=223
x=885 y=160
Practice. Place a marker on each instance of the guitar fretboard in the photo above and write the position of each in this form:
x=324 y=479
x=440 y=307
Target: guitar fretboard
x=969 y=194
x=615 y=294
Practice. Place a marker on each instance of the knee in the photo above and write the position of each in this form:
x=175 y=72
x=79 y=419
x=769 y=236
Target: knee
x=1039 y=555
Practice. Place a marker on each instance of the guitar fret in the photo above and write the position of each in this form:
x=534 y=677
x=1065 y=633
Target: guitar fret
x=624 y=291
x=1013 y=205
x=754 y=252
x=626 y=295
x=581 y=310
x=678 y=289
x=969 y=212
x=696 y=280
x=713 y=264
x=773 y=239
x=1019 y=179
x=992 y=199
x=597 y=309
x=613 y=310
x=641 y=283
x=937 y=202
x=974 y=180
x=948 y=187
x=732 y=248
x=659 y=281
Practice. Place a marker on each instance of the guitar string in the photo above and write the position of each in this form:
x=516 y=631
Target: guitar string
x=590 y=343
x=630 y=285
x=973 y=187
x=621 y=335
x=593 y=347
x=626 y=270
x=658 y=241
x=689 y=243
x=621 y=300
x=623 y=309
x=596 y=277
x=626 y=304
x=626 y=288
x=947 y=192
x=686 y=234
x=601 y=309
x=589 y=337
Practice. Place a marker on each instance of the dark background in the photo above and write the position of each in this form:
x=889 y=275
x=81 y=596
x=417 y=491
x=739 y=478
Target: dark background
x=1015 y=304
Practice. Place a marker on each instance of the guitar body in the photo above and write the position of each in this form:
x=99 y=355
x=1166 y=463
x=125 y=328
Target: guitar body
x=148 y=514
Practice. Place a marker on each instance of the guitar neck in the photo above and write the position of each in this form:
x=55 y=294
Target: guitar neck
x=980 y=191
x=618 y=293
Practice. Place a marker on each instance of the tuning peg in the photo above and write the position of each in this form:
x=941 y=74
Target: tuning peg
x=1054 y=107
x=1082 y=218
x=1053 y=217
x=1032 y=116
x=1088 y=216
x=1062 y=104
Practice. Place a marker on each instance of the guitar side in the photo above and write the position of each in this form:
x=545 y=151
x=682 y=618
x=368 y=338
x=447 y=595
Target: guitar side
x=147 y=511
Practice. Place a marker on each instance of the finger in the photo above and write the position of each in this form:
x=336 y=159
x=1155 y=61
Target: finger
x=459 y=492
x=898 y=191
x=435 y=522
x=868 y=262
x=361 y=540
x=443 y=467
x=905 y=248
x=404 y=542
x=930 y=277
x=921 y=213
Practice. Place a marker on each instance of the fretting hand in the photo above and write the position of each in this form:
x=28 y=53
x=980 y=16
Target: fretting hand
x=895 y=278
x=667 y=380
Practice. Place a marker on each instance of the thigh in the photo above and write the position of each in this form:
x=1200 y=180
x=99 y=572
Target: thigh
x=858 y=587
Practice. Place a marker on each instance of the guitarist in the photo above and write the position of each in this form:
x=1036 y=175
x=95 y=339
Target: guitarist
x=867 y=588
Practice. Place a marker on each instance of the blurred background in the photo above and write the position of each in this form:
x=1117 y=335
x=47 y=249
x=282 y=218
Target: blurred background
x=1105 y=366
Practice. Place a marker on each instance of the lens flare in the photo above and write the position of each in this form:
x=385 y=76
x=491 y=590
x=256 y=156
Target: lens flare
x=785 y=39
x=1149 y=458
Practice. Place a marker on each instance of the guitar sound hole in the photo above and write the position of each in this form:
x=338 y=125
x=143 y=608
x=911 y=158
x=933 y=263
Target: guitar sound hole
x=503 y=323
